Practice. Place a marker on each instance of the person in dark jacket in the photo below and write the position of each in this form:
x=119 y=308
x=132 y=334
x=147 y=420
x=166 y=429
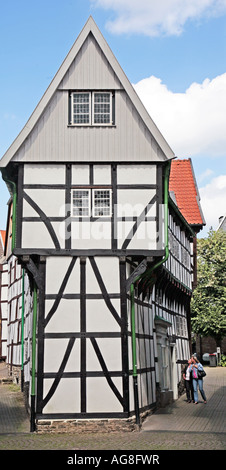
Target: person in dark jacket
x=188 y=381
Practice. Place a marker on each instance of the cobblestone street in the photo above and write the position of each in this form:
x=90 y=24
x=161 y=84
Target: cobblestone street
x=180 y=426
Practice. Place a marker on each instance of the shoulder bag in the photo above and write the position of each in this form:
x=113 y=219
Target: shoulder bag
x=201 y=374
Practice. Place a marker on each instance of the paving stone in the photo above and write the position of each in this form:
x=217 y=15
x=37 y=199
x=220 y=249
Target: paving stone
x=180 y=426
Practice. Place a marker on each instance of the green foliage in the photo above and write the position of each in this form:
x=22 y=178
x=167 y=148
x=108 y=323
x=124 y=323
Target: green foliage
x=208 y=306
x=222 y=362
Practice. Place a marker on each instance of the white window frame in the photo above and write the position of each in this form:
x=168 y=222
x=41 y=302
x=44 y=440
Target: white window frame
x=73 y=207
x=91 y=122
x=79 y=114
x=93 y=202
x=94 y=94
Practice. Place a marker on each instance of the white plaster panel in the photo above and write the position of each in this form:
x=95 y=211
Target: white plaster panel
x=131 y=393
x=144 y=390
x=4 y=349
x=38 y=237
x=100 y=397
x=44 y=174
x=136 y=174
x=50 y=201
x=59 y=228
x=144 y=238
x=4 y=310
x=92 y=286
x=109 y=270
x=91 y=235
x=98 y=316
x=4 y=293
x=54 y=353
x=56 y=269
x=102 y=174
x=132 y=202
x=4 y=277
x=110 y=349
x=66 y=398
x=123 y=229
x=4 y=329
x=80 y=174
x=66 y=317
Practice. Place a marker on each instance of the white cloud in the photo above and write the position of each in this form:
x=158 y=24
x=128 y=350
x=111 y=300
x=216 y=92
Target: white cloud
x=157 y=17
x=193 y=122
x=205 y=175
x=213 y=201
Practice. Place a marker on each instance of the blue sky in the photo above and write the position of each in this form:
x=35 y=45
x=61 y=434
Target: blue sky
x=173 y=52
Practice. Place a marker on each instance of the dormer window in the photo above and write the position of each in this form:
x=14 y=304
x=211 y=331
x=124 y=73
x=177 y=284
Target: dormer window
x=91 y=108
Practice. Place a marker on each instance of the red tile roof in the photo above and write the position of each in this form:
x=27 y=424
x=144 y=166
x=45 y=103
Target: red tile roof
x=3 y=235
x=182 y=182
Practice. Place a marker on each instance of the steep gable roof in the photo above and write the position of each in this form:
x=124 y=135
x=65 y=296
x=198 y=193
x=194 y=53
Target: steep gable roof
x=90 y=27
x=2 y=241
x=183 y=185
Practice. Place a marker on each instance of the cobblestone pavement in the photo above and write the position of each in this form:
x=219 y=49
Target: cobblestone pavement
x=180 y=426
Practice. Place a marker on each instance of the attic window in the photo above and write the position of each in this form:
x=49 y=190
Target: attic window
x=81 y=106
x=91 y=108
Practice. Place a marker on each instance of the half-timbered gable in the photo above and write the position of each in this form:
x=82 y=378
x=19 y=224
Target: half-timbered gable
x=107 y=258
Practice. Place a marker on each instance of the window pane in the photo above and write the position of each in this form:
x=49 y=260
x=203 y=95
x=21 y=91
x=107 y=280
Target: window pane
x=80 y=203
x=81 y=108
x=102 y=203
x=102 y=108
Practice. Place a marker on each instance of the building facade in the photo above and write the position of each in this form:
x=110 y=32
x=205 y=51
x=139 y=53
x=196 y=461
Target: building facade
x=106 y=252
x=3 y=297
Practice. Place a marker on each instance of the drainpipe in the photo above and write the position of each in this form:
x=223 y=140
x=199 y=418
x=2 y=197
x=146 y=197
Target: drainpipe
x=22 y=335
x=134 y=354
x=32 y=424
x=146 y=276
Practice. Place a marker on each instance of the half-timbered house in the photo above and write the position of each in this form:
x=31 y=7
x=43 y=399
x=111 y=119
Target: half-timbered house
x=92 y=226
x=3 y=297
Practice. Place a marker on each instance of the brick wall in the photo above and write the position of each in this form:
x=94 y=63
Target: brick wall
x=208 y=345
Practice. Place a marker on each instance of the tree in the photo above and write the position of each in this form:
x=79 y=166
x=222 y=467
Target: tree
x=208 y=305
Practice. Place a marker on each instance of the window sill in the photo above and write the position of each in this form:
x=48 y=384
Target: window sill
x=91 y=125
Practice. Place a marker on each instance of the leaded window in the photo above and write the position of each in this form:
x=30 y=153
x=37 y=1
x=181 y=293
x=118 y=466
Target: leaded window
x=81 y=203
x=101 y=203
x=91 y=108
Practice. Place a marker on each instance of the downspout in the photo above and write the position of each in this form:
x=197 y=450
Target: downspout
x=146 y=275
x=134 y=353
x=22 y=335
x=33 y=364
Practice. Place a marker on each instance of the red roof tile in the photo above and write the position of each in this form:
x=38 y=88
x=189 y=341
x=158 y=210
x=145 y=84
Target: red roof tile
x=182 y=182
x=3 y=235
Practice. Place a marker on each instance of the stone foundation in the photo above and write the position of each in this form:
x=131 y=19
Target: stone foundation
x=14 y=373
x=91 y=426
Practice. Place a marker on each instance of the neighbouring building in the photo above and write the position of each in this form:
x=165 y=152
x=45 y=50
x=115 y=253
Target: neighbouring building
x=103 y=254
x=222 y=223
x=3 y=297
